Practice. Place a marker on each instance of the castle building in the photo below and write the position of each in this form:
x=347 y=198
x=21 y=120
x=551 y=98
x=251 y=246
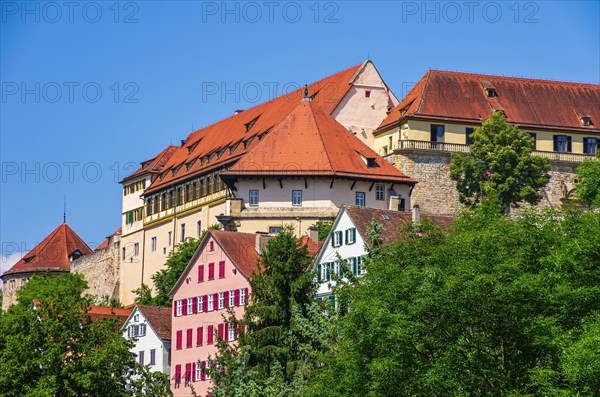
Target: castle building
x=186 y=193
x=54 y=254
x=440 y=113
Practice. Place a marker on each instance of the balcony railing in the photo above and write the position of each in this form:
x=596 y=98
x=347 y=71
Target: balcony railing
x=459 y=147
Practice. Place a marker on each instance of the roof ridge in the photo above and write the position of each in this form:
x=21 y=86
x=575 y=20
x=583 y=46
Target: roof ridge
x=422 y=96
x=45 y=242
x=320 y=134
x=534 y=79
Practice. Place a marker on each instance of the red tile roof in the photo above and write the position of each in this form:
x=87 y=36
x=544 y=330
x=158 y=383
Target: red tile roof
x=52 y=254
x=97 y=312
x=240 y=247
x=526 y=102
x=226 y=141
x=155 y=164
x=159 y=318
x=313 y=246
x=308 y=141
x=105 y=242
x=362 y=217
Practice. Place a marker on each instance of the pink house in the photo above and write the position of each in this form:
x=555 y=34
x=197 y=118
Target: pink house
x=216 y=278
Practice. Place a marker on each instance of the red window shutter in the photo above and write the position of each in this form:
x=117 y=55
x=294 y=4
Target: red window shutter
x=174 y=308
x=222 y=269
x=200 y=273
x=178 y=340
x=209 y=334
x=188 y=369
x=202 y=374
x=205 y=303
x=215 y=301
x=188 y=341
x=226 y=331
x=236 y=297
x=226 y=298
x=194 y=305
x=184 y=307
x=199 y=336
x=235 y=331
x=193 y=372
x=177 y=371
x=221 y=328
x=211 y=271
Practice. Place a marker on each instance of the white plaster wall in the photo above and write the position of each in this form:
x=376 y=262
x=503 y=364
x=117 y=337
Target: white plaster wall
x=148 y=342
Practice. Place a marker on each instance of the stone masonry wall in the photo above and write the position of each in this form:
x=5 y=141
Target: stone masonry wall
x=436 y=192
x=101 y=270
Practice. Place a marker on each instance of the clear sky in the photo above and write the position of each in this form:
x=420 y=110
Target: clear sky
x=90 y=89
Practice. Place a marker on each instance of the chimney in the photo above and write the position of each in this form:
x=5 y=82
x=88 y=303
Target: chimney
x=313 y=233
x=262 y=238
x=416 y=213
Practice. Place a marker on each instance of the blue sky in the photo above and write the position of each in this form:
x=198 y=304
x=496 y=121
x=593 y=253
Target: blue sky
x=90 y=90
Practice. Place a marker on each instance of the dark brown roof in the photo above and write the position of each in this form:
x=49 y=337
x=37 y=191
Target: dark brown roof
x=155 y=164
x=240 y=247
x=159 y=318
x=224 y=142
x=52 y=254
x=389 y=220
x=526 y=102
x=308 y=141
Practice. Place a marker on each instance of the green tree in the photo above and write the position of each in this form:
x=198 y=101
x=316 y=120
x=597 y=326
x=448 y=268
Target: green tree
x=284 y=327
x=323 y=227
x=55 y=349
x=500 y=163
x=490 y=307
x=588 y=188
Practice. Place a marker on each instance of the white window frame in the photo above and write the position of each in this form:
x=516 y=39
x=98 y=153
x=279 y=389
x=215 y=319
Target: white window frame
x=136 y=249
x=153 y=244
x=190 y=305
x=338 y=237
x=297 y=197
x=221 y=303
x=231 y=332
x=380 y=192
x=232 y=298
x=242 y=296
x=200 y=304
x=211 y=303
x=198 y=370
x=351 y=236
x=364 y=199
x=142 y=330
x=208 y=365
x=253 y=197
x=179 y=307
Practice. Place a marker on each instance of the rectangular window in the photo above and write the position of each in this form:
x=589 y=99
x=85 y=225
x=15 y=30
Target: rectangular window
x=231 y=332
x=142 y=329
x=590 y=145
x=534 y=136
x=199 y=228
x=243 y=296
x=198 y=372
x=199 y=336
x=222 y=269
x=469 y=135
x=360 y=199
x=179 y=305
x=562 y=143
x=221 y=303
x=169 y=236
x=179 y=340
x=190 y=305
x=136 y=249
x=182 y=233
x=350 y=236
x=210 y=335
x=188 y=340
x=337 y=238
x=211 y=303
x=141 y=358
x=253 y=197
x=153 y=244
x=200 y=273
x=274 y=229
x=296 y=197
x=152 y=356
x=437 y=132
x=211 y=271
x=200 y=304
x=232 y=298
x=379 y=192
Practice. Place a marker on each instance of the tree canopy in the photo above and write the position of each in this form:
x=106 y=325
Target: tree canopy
x=500 y=163
x=588 y=188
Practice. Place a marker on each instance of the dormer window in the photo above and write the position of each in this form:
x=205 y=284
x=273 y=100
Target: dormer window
x=490 y=90
x=192 y=147
x=250 y=124
x=76 y=254
x=586 y=121
x=28 y=259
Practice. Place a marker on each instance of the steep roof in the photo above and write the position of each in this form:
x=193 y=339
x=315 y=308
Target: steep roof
x=104 y=244
x=159 y=318
x=240 y=247
x=313 y=246
x=52 y=254
x=97 y=312
x=224 y=142
x=389 y=220
x=308 y=141
x=527 y=102
x=155 y=164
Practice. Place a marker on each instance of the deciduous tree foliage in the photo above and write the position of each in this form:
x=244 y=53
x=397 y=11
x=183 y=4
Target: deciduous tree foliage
x=500 y=163
x=55 y=349
x=285 y=328
x=493 y=306
x=588 y=188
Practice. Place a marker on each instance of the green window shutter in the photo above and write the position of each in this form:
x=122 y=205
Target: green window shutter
x=341 y=269
x=353 y=235
x=327 y=272
x=319 y=272
x=347 y=237
x=358 y=264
